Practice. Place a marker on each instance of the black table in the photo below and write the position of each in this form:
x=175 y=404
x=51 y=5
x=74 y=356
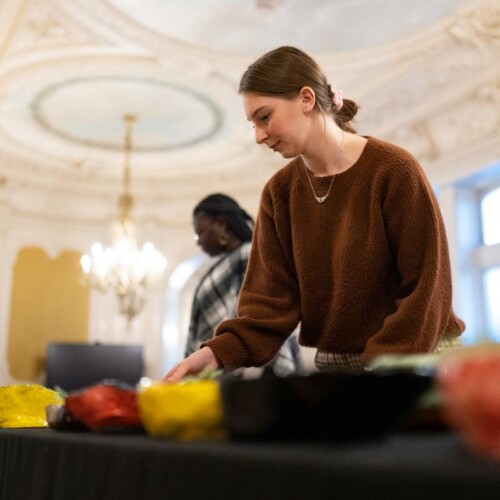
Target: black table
x=39 y=464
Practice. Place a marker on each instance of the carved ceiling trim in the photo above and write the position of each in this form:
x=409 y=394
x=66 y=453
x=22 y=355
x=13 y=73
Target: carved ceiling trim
x=38 y=28
x=434 y=93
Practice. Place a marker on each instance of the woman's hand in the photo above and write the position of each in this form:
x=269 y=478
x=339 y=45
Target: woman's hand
x=195 y=363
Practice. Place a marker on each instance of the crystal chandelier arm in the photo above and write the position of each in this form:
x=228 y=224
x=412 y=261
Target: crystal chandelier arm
x=124 y=267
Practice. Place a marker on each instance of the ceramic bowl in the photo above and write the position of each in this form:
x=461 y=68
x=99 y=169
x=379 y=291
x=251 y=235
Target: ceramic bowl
x=338 y=406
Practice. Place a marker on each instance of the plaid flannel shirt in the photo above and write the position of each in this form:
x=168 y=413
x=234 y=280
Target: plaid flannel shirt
x=216 y=299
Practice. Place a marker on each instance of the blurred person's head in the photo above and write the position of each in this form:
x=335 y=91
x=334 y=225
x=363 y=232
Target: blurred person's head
x=220 y=224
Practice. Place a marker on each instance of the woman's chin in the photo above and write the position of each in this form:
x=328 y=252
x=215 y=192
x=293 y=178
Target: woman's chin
x=283 y=152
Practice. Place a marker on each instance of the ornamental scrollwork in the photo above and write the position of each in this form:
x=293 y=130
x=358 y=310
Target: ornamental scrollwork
x=478 y=25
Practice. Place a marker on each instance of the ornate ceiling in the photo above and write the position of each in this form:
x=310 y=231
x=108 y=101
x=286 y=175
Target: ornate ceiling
x=426 y=73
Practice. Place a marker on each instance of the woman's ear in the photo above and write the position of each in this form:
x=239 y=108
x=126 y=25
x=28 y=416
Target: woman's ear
x=221 y=231
x=221 y=226
x=307 y=98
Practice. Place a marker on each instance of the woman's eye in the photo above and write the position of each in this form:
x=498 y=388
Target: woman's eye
x=264 y=118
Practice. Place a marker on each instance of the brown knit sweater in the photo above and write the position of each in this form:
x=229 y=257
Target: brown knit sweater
x=365 y=272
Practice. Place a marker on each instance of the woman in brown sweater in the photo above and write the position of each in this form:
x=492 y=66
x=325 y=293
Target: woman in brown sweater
x=349 y=238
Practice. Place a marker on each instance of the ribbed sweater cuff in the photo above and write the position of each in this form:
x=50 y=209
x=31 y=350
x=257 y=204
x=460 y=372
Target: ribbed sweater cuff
x=229 y=350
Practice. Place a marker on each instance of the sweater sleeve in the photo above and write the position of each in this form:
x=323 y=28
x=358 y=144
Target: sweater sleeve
x=417 y=240
x=269 y=304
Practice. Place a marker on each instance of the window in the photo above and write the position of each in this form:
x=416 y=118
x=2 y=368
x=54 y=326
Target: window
x=490 y=211
x=476 y=248
x=178 y=308
x=492 y=296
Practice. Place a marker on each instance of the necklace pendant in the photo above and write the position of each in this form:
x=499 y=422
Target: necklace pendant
x=320 y=199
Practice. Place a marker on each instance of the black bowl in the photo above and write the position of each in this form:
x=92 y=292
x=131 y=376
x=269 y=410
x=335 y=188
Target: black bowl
x=335 y=407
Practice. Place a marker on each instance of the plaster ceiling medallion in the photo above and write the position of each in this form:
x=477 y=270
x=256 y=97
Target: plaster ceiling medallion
x=171 y=116
x=67 y=113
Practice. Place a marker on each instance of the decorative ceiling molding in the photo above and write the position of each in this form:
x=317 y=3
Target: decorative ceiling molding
x=316 y=27
x=434 y=91
x=38 y=28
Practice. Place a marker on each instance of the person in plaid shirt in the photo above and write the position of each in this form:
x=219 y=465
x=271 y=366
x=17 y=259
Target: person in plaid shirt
x=224 y=230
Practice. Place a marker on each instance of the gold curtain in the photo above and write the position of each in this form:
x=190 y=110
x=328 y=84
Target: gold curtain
x=47 y=304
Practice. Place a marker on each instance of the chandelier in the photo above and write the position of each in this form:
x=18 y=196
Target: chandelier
x=123 y=267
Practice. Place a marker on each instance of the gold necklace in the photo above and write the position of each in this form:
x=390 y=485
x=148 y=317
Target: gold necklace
x=321 y=199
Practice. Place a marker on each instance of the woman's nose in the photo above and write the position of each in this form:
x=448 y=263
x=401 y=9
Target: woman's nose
x=260 y=136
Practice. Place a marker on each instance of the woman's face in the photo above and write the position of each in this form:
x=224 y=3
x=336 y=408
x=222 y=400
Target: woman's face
x=279 y=123
x=207 y=233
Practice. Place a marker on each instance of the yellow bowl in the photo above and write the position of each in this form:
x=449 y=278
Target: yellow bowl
x=187 y=411
x=24 y=405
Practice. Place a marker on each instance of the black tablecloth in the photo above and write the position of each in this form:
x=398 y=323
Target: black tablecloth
x=39 y=464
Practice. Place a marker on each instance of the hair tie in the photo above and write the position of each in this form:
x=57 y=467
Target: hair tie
x=337 y=99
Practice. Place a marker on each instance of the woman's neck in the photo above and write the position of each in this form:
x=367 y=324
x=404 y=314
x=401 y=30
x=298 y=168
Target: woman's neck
x=233 y=244
x=333 y=151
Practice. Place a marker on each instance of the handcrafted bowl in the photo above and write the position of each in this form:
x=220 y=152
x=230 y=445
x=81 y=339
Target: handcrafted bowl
x=338 y=406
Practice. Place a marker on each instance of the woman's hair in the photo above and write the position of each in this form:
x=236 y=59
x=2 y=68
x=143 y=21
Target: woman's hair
x=283 y=72
x=219 y=205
